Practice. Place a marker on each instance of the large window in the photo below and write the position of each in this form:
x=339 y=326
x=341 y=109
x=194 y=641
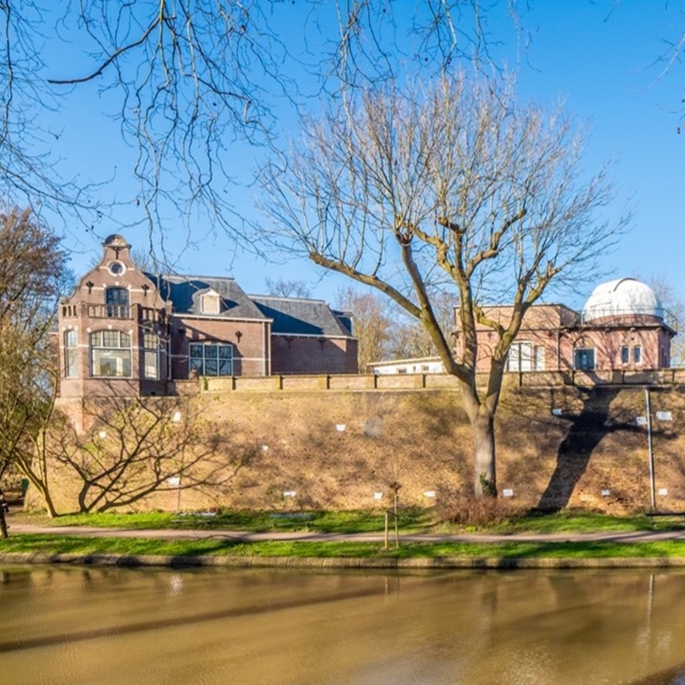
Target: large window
x=117 y=302
x=150 y=355
x=110 y=354
x=521 y=357
x=584 y=358
x=71 y=354
x=211 y=359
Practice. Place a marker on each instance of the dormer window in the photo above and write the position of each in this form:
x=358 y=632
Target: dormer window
x=210 y=303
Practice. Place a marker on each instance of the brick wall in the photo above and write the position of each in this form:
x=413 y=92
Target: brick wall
x=300 y=354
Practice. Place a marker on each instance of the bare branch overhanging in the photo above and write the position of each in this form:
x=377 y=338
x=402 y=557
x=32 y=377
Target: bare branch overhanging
x=464 y=178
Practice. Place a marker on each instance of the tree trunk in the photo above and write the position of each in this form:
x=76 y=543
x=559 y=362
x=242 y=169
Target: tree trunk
x=3 y=522
x=484 y=458
x=47 y=500
x=44 y=493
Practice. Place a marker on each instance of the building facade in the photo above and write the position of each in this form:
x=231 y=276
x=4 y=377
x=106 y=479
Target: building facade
x=130 y=332
x=622 y=327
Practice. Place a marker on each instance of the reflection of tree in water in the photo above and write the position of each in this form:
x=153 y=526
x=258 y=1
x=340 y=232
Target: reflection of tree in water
x=585 y=432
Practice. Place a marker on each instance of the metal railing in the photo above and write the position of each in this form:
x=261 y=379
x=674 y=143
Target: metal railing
x=603 y=315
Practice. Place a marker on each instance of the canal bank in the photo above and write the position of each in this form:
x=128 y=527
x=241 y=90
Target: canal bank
x=81 y=545
x=363 y=563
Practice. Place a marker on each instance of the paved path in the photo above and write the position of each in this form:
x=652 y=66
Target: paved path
x=246 y=536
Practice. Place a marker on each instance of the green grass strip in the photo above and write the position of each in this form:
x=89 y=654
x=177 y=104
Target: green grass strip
x=57 y=544
x=411 y=520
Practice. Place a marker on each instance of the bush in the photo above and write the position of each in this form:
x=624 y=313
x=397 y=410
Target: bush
x=466 y=510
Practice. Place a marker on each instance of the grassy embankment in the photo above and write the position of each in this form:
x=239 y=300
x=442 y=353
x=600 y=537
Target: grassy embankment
x=350 y=522
x=410 y=521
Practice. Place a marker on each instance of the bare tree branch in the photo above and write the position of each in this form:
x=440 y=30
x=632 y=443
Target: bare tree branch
x=452 y=174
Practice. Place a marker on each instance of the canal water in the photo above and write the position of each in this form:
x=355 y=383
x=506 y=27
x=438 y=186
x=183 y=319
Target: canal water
x=105 y=626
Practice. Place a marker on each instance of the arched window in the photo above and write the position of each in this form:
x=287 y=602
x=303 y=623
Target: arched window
x=150 y=355
x=110 y=354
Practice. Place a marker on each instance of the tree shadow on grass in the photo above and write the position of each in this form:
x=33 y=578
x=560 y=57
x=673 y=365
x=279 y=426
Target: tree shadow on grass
x=585 y=432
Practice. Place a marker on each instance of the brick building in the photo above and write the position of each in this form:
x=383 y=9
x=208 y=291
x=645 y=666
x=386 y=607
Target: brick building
x=130 y=332
x=622 y=327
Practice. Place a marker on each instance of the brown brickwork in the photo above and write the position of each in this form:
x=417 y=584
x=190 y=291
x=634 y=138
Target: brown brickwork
x=115 y=301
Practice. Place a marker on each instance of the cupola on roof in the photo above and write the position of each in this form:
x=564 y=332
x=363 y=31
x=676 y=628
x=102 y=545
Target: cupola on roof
x=620 y=298
x=115 y=240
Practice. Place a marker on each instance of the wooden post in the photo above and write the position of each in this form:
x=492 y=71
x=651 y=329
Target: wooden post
x=385 y=545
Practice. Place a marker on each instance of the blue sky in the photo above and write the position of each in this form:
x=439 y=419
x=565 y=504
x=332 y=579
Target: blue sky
x=597 y=57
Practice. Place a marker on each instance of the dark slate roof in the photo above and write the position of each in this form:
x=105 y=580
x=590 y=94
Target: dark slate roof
x=184 y=293
x=297 y=316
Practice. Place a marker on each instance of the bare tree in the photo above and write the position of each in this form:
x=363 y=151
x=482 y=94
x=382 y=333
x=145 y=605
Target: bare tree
x=283 y=287
x=32 y=267
x=674 y=304
x=454 y=180
x=372 y=323
x=27 y=164
x=195 y=81
x=410 y=339
x=132 y=448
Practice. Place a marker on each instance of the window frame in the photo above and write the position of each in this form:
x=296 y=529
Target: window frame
x=70 y=340
x=588 y=351
x=101 y=345
x=148 y=351
x=625 y=354
x=637 y=355
x=117 y=307
x=518 y=362
x=216 y=366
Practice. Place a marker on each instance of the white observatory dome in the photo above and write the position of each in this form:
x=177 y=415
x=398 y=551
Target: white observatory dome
x=626 y=298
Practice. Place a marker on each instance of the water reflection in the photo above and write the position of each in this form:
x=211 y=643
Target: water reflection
x=68 y=625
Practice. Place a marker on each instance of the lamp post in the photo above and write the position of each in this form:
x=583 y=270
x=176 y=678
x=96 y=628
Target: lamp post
x=650 y=451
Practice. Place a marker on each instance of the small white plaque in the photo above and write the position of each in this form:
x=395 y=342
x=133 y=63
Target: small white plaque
x=430 y=494
x=641 y=420
x=265 y=448
x=378 y=495
x=102 y=435
x=289 y=493
x=340 y=427
x=508 y=492
x=176 y=418
x=556 y=411
x=174 y=481
x=606 y=493
x=664 y=416
x=662 y=492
